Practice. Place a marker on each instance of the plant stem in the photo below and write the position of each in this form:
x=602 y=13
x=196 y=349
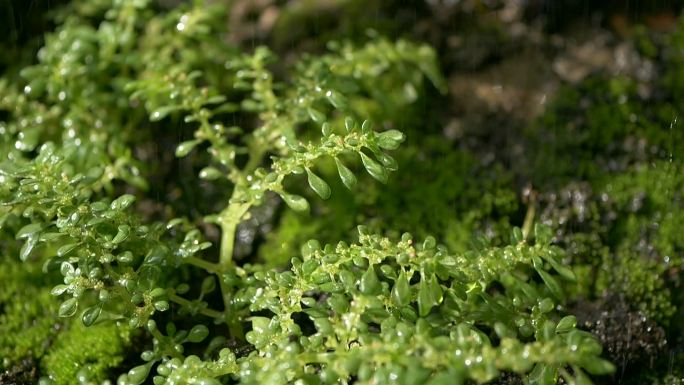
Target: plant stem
x=529 y=219
x=229 y=219
x=206 y=265
x=257 y=153
x=184 y=302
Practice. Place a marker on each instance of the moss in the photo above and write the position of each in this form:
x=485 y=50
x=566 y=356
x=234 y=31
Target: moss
x=603 y=125
x=605 y=157
x=86 y=353
x=27 y=324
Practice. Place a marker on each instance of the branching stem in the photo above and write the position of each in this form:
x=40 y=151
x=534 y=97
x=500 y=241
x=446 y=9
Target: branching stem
x=184 y=302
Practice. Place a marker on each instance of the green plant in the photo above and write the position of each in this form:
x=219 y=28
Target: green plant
x=605 y=158
x=380 y=310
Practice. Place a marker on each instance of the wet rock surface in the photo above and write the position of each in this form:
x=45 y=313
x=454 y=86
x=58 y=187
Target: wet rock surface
x=628 y=336
x=24 y=373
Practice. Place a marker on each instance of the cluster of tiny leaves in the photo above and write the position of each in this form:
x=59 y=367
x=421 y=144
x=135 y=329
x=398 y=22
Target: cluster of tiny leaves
x=100 y=248
x=384 y=312
x=457 y=199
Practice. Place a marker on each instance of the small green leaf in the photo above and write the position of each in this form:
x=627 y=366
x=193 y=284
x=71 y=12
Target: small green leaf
x=198 y=333
x=326 y=129
x=137 y=375
x=162 y=112
x=161 y=305
x=323 y=325
x=318 y=184
x=401 y=292
x=122 y=202
x=184 y=148
x=597 y=366
x=90 y=315
x=390 y=140
x=564 y=271
x=566 y=324
x=542 y=234
x=261 y=324
x=374 y=168
x=66 y=249
x=546 y=305
x=338 y=303
x=309 y=267
x=336 y=99
x=542 y=374
x=503 y=331
x=366 y=126
x=99 y=206
x=295 y=202
x=59 y=290
x=123 y=232
x=27 y=247
x=347 y=278
x=424 y=299
x=346 y=175
x=429 y=243
x=66 y=269
x=208 y=284
x=516 y=236
x=388 y=162
x=349 y=124
x=369 y=284
x=310 y=247
x=436 y=292
x=552 y=284
x=210 y=173
x=316 y=116
x=68 y=307
x=28 y=230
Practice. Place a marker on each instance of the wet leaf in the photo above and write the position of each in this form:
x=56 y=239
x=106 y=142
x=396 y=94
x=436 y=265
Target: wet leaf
x=346 y=175
x=295 y=202
x=318 y=185
x=374 y=168
x=68 y=307
x=184 y=148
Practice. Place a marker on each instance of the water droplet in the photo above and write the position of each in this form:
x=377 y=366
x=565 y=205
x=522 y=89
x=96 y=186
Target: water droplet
x=182 y=23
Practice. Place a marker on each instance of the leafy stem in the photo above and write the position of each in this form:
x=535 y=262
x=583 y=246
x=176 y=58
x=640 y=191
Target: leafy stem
x=229 y=219
x=185 y=302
